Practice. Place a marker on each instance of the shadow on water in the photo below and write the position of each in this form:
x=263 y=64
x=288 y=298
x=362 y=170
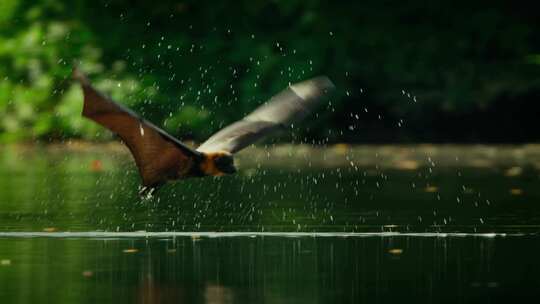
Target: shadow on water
x=70 y=221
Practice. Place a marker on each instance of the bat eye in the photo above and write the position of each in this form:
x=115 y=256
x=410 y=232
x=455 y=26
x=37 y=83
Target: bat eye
x=225 y=164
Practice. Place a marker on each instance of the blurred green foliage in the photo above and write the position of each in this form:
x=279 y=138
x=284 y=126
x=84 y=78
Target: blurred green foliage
x=194 y=66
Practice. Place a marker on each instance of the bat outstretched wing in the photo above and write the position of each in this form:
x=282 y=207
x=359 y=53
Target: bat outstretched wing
x=158 y=155
x=287 y=107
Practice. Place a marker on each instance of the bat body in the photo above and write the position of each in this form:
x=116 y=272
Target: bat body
x=161 y=157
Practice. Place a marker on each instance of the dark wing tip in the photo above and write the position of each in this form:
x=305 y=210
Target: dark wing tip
x=313 y=88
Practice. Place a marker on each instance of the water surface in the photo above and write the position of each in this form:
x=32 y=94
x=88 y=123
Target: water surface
x=72 y=230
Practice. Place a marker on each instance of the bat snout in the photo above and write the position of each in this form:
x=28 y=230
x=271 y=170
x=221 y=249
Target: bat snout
x=225 y=164
x=217 y=164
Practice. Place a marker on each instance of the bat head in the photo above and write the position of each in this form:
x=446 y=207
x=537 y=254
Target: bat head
x=225 y=163
x=218 y=163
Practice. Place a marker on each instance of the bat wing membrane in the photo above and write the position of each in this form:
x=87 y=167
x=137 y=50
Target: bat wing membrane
x=289 y=106
x=158 y=155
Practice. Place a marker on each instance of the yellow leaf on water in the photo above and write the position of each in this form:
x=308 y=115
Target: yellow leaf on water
x=342 y=149
x=87 y=273
x=407 y=164
x=514 y=171
x=516 y=191
x=395 y=251
x=130 y=250
x=5 y=262
x=96 y=165
x=431 y=189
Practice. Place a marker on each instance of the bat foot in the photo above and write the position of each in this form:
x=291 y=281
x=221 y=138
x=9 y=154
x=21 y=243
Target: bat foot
x=147 y=192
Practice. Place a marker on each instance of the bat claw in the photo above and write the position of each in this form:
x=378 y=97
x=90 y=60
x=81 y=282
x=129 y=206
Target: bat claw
x=147 y=192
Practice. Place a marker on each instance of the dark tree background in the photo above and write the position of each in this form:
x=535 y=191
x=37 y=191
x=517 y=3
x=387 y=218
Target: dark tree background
x=414 y=71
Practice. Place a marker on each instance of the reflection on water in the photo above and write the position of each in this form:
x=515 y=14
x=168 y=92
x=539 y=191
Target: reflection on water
x=265 y=269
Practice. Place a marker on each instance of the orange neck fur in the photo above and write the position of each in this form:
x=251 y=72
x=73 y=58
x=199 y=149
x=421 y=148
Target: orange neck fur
x=208 y=165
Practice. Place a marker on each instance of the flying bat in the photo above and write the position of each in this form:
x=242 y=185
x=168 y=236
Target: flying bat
x=160 y=157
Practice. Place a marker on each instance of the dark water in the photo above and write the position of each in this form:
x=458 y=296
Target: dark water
x=72 y=230
x=269 y=269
